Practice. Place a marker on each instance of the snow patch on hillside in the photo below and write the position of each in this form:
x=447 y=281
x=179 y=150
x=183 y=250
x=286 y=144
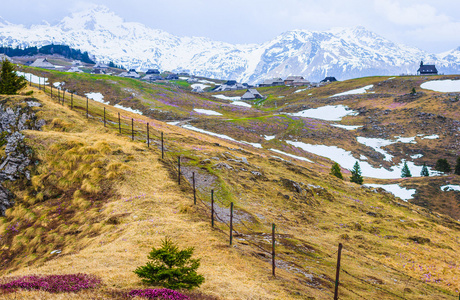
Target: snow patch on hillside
x=450 y=187
x=395 y=189
x=327 y=113
x=291 y=155
x=128 y=109
x=223 y=97
x=207 y=112
x=362 y=90
x=96 y=97
x=444 y=86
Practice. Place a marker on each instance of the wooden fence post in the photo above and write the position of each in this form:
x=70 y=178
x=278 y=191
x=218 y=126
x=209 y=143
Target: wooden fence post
x=336 y=290
x=212 y=208
x=178 y=170
x=119 y=123
x=273 y=249
x=87 y=107
x=231 y=223
x=162 y=147
x=148 y=136
x=194 y=190
x=104 y=116
x=132 y=129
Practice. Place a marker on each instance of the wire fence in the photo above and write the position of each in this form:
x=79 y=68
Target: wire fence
x=150 y=133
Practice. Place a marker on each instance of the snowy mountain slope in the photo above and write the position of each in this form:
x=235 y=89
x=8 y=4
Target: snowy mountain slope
x=343 y=52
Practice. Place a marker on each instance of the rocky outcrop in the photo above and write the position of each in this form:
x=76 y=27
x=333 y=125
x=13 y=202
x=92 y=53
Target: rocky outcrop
x=15 y=155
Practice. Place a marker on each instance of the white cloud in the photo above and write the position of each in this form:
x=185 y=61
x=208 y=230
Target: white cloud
x=412 y=15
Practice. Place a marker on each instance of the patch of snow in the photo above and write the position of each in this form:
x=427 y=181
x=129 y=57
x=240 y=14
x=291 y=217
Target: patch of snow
x=57 y=84
x=450 y=187
x=241 y=103
x=223 y=97
x=444 y=86
x=346 y=160
x=200 y=85
x=183 y=78
x=173 y=123
x=291 y=155
x=33 y=78
x=55 y=252
x=377 y=144
x=269 y=137
x=222 y=136
x=391 y=78
x=96 y=97
x=415 y=156
x=301 y=90
x=395 y=189
x=310 y=94
x=207 y=81
x=128 y=109
x=430 y=137
x=207 y=112
x=347 y=127
x=362 y=90
x=327 y=113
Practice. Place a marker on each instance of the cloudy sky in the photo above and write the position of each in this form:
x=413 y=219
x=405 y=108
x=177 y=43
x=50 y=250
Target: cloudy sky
x=431 y=25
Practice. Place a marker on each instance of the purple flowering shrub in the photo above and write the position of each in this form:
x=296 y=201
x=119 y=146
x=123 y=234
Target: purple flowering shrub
x=53 y=283
x=160 y=294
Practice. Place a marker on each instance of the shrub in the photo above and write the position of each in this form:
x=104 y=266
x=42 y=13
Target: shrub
x=10 y=82
x=442 y=165
x=171 y=267
x=425 y=171
x=335 y=170
x=53 y=283
x=457 y=166
x=356 y=174
x=405 y=172
x=160 y=294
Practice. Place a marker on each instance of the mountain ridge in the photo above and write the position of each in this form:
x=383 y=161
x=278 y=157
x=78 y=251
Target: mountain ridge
x=341 y=52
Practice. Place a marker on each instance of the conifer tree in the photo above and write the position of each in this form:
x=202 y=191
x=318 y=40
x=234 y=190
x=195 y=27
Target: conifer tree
x=356 y=174
x=442 y=165
x=335 y=170
x=405 y=171
x=425 y=171
x=10 y=82
x=171 y=267
x=457 y=166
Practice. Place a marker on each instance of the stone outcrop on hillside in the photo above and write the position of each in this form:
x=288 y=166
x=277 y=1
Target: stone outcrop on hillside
x=16 y=156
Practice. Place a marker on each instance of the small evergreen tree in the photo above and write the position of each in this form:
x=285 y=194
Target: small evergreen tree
x=457 y=166
x=171 y=267
x=335 y=170
x=413 y=92
x=425 y=171
x=356 y=174
x=442 y=165
x=405 y=171
x=10 y=82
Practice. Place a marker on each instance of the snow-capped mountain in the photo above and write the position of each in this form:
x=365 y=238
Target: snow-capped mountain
x=343 y=53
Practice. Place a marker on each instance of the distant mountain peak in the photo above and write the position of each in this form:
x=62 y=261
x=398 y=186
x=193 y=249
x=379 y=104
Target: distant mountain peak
x=340 y=52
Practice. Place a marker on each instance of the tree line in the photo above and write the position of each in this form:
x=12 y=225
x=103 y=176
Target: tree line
x=63 y=50
x=442 y=165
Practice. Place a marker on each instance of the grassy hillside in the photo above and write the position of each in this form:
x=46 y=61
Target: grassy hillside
x=104 y=200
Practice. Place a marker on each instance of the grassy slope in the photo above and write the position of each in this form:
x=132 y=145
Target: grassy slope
x=375 y=228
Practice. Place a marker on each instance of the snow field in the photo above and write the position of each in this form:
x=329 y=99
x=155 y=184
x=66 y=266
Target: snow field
x=207 y=112
x=96 y=97
x=444 y=86
x=450 y=187
x=395 y=189
x=327 y=113
x=33 y=78
x=362 y=90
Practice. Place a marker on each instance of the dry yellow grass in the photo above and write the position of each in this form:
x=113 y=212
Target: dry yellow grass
x=148 y=205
